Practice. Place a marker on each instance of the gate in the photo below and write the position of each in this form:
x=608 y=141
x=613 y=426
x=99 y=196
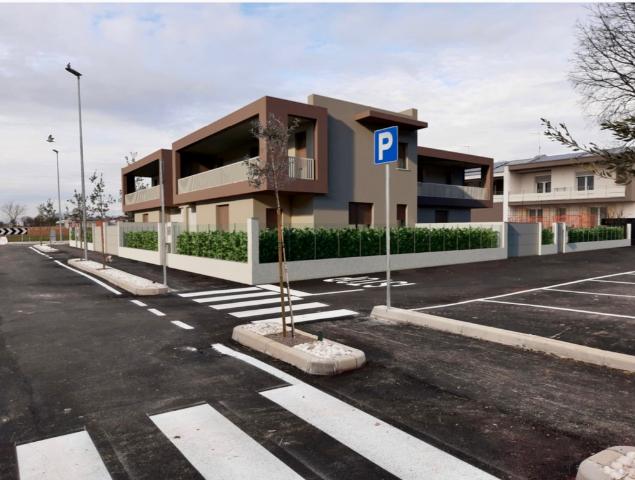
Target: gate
x=523 y=239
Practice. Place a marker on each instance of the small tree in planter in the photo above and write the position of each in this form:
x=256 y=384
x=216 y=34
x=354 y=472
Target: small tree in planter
x=273 y=171
x=99 y=206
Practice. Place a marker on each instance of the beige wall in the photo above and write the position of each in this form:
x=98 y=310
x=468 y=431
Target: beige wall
x=153 y=216
x=561 y=177
x=352 y=175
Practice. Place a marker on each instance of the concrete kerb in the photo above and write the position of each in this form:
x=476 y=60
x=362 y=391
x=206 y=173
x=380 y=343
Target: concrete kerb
x=306 y=362
x=581 y=353
x=152 y=288
x=609 y=464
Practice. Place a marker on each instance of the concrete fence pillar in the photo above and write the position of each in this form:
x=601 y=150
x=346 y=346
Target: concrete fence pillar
x=253 y=249
x=629 y=231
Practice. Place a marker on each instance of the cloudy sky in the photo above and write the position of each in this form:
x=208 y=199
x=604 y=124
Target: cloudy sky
x=481 y=75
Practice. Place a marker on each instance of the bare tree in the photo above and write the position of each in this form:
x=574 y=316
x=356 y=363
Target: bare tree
x=99 y=206
x=273 y=172
x=604 y=73
x=13 y=211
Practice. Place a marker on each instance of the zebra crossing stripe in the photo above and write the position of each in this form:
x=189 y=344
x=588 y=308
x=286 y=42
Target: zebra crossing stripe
x=251 y=303
x=276 y=288
x=217 y=448
x=64 y=457
x=266 y=311
x=215 y=292
x=234 y=297
x=312 y=317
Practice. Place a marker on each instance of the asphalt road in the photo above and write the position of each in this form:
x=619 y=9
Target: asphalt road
x=74 y=355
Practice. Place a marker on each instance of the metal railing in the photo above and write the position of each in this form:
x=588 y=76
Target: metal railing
x=302 y=168
x=569 y=193
x=426 y=189
x=144 y=195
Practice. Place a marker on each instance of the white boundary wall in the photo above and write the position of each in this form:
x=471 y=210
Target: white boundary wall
x=587 y=246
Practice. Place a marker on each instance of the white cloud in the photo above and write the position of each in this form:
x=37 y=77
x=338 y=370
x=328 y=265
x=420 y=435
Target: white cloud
x=481 y=75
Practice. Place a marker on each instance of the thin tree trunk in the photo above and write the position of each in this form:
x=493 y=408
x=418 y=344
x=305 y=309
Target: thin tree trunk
x=280 y=270
x=286 y=276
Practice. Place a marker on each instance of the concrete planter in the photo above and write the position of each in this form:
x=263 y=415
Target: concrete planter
x=609 y=464
x=305 y=361
x=131 y=283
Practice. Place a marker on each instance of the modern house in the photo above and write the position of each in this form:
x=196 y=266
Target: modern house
x=331 y=181
x=557 y=188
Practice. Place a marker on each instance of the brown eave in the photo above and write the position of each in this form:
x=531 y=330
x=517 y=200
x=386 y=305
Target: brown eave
x=376 y=118
x=142 y=162
x=454 y=156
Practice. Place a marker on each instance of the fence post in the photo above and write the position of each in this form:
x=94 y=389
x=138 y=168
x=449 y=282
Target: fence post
x=253 y=248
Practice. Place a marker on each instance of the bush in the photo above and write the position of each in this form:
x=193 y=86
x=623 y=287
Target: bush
x=594 y=234
x=72 y=234
x=319 y=243
x=547 y=236
x=222 y=245
x=143 y=240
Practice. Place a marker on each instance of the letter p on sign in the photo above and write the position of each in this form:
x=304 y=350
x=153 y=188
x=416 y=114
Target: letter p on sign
x=386 y=141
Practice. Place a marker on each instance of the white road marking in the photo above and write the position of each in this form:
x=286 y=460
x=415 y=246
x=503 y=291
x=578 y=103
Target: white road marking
x=265 y=311
x=276 y=288
x=339 y=291
x=523 y=291
x=43 y=254
x=217 y=448
x=181 y=324
x=589 y=293
x=98 y=282
x=560 y=308
x=60 y=458
x=234 y=297
x=312 y=317
x=251 y=303
x=139 y=303
x=158 y=313
x=401 y=454
x=613 y=281
x=215 y=292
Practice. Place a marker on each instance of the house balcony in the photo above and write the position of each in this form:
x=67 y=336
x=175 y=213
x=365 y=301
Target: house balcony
x=458 y=192
x=299 y=168
x=559 y=194
x=143 y=195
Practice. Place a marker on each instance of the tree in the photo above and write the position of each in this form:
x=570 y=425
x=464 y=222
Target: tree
x=273 y=172
x=99 y=206
x=604 y=73
x=13 y=210
x=74 y=214
x=46 y=213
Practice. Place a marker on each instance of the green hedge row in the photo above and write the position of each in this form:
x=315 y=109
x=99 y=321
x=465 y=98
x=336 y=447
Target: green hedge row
x=319 y=243
x=594 y=234
x=72 y=233
x=547 y=236
x=143 y=240
x=89 y=235
x=222 y=245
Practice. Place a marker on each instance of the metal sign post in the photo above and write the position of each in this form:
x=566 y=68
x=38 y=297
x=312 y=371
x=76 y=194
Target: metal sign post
x=386 y=152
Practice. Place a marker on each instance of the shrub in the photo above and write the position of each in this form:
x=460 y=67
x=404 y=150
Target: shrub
x=72 y=234
x=547 y=236
x=319 y=243
x=143 y=240
x=222 y=245
x=594 y=234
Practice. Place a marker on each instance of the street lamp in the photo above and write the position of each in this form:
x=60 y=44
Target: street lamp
x=81 y=155
x=59 y=196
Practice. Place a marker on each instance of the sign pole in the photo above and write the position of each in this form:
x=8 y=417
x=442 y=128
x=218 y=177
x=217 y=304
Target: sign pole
x=388 y=235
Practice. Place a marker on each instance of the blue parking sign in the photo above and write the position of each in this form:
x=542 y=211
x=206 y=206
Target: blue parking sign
x=386 y=145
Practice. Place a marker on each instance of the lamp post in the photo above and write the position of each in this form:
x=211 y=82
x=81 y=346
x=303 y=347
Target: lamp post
x=81 y=155
x=50 y=139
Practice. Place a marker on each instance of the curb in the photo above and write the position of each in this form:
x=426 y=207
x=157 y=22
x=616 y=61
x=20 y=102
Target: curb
x=526 y=341
x=299 y=359
x=156 y=289
x=601 y=465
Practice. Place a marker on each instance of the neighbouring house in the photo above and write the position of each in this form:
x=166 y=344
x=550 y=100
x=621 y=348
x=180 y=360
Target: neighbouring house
x=333 y=181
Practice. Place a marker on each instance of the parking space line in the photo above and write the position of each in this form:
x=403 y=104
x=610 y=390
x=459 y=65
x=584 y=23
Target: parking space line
x=158 y=313
x=613 y=281
x=139 y=303
x=338 y=291
x=181 y=324
x=589 y=293
x=558 y=308
x=216 y=292
x=43 y=254
x=107 y=287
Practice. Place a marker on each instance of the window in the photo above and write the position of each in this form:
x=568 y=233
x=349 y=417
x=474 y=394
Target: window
x=498 y=186
x=598 y=213
x=543 y=184
x=360 y=213
x=561 y=214
x=441 y=216
x=584 y=181
x=300 y=144
x=535 y=214
x=272 y=218
x=401 y=215
x=403 y=159
x=145 y=217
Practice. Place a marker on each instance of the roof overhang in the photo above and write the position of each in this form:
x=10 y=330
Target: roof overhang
x=464 y=158
x=376 y=118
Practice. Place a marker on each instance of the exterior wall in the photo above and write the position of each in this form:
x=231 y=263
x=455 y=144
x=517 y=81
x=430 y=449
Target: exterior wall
x=164 y=156
x=153 y=216
x=427 y=215
x=561 y=177
x=493 y=214
x=352 y=175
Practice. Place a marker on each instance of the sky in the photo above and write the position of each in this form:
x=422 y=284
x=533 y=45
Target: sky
x=481 y=75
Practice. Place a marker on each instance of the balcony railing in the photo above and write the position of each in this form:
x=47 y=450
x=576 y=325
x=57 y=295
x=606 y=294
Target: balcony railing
x=144 y=195
x=569 y=193
x=302 y=168
x=441 y=190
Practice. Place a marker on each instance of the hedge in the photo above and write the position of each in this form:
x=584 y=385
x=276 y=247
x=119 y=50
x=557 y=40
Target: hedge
x=547 y=236
x=72 y=234
x=144 y=240
x=593 y=234
x=216 y=244
x=89 y=235
x=319 y=243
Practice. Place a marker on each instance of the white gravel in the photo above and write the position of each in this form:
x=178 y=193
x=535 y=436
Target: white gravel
x=114 y=274
x=623 y=468
x=325 y=349
x=264 y=328
x=45 y=248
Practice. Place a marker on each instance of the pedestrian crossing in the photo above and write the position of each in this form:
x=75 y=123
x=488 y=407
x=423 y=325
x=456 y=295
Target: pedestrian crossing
x=261 y=303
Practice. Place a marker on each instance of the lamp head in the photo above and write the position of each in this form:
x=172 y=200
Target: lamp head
x=56 y=151
x=50 y=139
x=72 y=70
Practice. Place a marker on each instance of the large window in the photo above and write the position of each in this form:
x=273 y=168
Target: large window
x=584 y=181
x=360 y=213
x=543 y=184
x=401 y=214
x=403 y=159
